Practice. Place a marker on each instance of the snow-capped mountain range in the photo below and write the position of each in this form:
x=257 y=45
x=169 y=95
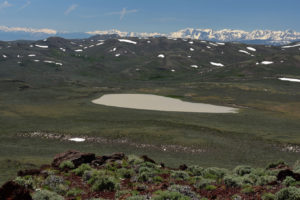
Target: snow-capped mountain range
x=225 y=35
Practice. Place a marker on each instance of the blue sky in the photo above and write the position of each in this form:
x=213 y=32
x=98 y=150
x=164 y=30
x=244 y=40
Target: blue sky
x=150 y=15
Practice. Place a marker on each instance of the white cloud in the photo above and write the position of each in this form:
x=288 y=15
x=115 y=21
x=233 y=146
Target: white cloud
x=123 y=12
x=28 y=30
x=25 y=5
x=5 y=4
x=71 y=9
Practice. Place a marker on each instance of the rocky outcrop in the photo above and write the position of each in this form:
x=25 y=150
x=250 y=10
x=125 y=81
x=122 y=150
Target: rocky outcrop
x=100 y=160
x=14 y=191
x=76 y=157
x=287 y=172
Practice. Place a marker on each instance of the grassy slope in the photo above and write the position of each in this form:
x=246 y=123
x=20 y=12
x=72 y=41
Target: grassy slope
x=58 y=100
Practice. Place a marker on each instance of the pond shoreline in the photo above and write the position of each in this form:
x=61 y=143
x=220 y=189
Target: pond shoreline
x=159 y=103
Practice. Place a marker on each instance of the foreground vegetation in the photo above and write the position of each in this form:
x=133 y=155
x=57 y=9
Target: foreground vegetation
x=136 y=178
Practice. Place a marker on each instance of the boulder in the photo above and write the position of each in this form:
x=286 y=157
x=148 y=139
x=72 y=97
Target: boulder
x=287 y=172
x=74 y=156
x=100 y=160
x=30 y=172
x=147 y=159
x=183 y=167
x=14 y=191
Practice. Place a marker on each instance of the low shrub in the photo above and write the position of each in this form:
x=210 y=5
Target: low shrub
x=195 y=170
x=134 y=160
x=158 y=179
x=74 y=192
x=104 y=183
x=167 y=195
x=247 y=190
x=203 y=183
x=232 y=181
x=125 y=173
x=242 y=170
x=46 y=195
x=210 y=187
x=67 y=165
x=26 y=181
x=180 y=175
x=236 y=197
x=268 y=196
x=81 y=169
x=56 y=184
x=264 y=180
x=288 y=181
x=137 y=197
x=276 y=164
x=214 y=173
x=290 y=193
x=184 y=190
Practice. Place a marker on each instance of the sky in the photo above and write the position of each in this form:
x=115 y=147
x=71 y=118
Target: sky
x=161 y=16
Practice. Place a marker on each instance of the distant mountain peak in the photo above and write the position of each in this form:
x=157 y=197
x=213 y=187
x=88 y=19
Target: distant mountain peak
x=224 y=35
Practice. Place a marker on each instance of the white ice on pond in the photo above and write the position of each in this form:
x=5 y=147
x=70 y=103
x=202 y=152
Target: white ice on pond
x=31 y=55
x=191 y=49
x=161 y=56
x=78 y=50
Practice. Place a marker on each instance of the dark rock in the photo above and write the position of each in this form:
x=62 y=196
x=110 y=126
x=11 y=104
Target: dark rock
x=147 y=159
x=74 y=156
x=30 y=172
x=14 y=191
x=287 y=172
x=183 y=167
x=100 y=160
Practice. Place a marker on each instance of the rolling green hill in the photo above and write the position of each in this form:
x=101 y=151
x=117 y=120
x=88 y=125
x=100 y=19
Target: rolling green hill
x=55 y=97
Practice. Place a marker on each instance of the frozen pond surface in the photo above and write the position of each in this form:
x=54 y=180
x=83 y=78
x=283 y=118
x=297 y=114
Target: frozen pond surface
x=159 y=103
